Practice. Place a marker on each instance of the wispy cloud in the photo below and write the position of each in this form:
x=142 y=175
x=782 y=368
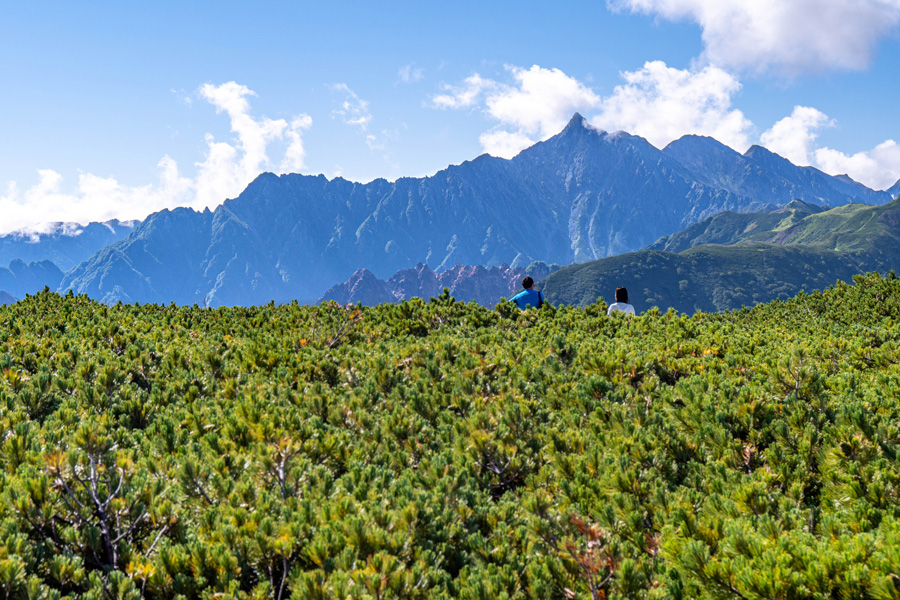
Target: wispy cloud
x=353 y=109
x=410 y=74
x=789 y=36
x=226 y=169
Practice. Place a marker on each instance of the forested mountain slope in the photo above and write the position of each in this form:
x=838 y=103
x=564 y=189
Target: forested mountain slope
x=441 y=450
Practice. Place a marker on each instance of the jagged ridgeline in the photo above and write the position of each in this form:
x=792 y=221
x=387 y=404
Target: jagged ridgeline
x=442 y=450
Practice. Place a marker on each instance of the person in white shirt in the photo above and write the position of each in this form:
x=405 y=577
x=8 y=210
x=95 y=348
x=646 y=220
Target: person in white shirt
x=621 y=303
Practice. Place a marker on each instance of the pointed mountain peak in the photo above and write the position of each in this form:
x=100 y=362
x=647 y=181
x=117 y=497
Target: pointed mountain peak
x=757 y=152
x=576 y=119
x=578 y=124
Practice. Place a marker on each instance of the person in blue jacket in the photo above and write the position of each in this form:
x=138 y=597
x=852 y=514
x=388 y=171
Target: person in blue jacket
x=528 y=297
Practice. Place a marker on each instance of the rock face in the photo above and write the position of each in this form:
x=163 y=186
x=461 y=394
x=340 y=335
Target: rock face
x=64 y=244
x=484 y=285
x=19 y=279
x=581 y=195
x=6 y=298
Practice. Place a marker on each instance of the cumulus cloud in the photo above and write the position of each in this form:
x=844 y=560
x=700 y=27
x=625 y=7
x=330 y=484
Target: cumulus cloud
x=657 y=102
x=532 y=108
x=878 y=168
x=791 y=36
x=661 y=104
x=226 y=169
x=794 y=137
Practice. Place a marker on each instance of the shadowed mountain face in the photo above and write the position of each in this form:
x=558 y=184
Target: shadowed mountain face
x=6 y=298
x=581 y=195
x=64 y=244
x=732 y=260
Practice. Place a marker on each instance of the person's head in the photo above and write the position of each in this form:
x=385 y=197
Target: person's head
x=621 y=295
x=528 y=283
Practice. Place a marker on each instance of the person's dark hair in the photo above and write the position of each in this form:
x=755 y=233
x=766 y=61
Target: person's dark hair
x=528 y=283
x=621 y=295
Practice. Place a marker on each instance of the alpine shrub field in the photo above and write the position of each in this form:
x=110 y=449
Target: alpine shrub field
x=433 y=449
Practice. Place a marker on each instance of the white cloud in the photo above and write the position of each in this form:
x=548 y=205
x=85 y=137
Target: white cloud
x=791 y=36
x=541 y=102
x=793 y=137
x=504 y=143
x=878 y=168
x=227 y=168
x=410 y=74
x=661 y=104
x=466 y=95
x=536 y=106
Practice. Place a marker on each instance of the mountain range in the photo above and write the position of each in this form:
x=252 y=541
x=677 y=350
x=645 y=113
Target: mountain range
x=580 y=195
x=732 y=260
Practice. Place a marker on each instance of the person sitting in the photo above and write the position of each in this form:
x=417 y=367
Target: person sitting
x=528 y=297
x=621 y=303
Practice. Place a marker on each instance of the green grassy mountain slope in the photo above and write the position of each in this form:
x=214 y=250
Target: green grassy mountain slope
x=849 y=228
x=732 y=260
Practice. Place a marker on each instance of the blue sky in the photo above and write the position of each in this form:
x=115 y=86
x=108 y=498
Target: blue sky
x=120 y=109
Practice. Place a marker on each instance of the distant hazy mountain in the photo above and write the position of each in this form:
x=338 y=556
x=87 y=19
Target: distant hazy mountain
x=6 y=298
x=484 y=285
x=64 y=244
x=20 y=279
x=581 y=195
x=769 y=255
